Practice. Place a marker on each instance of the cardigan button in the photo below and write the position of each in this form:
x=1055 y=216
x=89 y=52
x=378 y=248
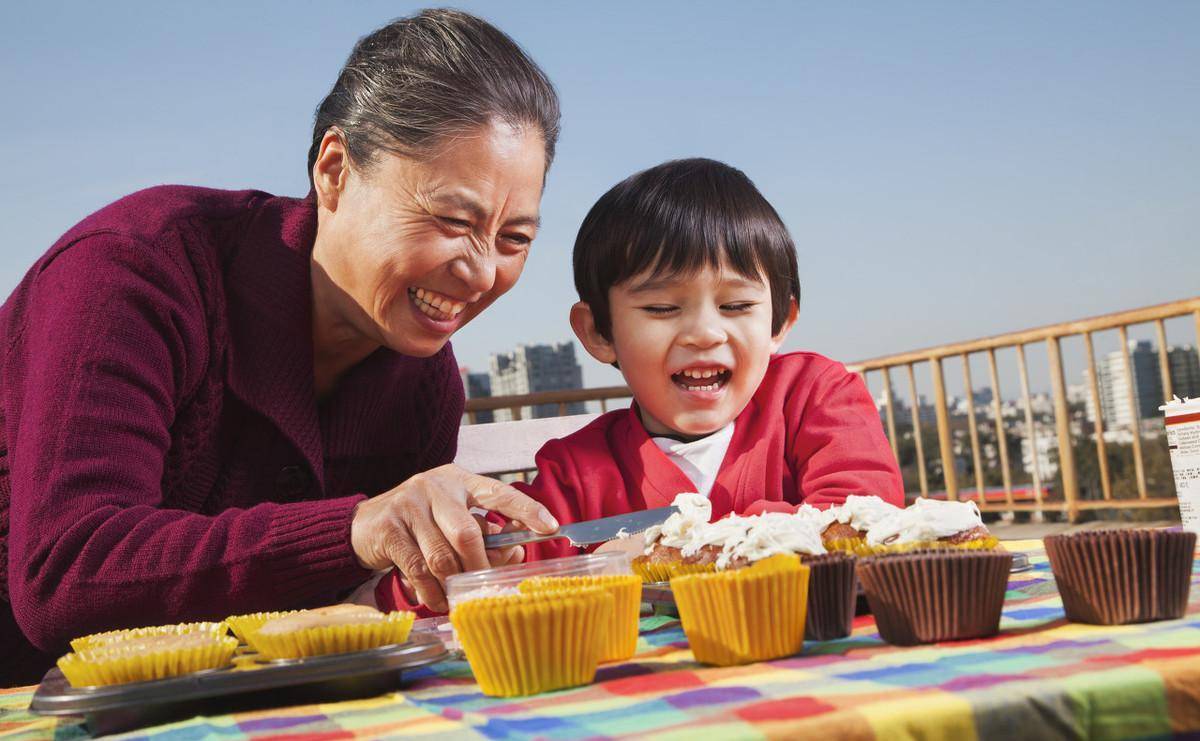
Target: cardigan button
x=292 y=482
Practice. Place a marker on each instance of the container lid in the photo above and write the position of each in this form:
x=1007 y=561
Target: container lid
x=1179 y=406
x=504 y=579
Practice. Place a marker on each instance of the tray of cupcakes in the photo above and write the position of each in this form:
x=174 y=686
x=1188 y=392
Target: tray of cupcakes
x=125 y=679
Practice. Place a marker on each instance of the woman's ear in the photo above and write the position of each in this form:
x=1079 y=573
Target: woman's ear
x=583 y=321
x=331 y=169
x=781 y=335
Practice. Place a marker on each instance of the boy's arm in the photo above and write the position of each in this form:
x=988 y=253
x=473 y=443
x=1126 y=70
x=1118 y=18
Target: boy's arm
x=557 y=487
x=838 y=446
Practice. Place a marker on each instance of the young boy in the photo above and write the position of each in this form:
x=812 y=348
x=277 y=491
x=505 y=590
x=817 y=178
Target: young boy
x=687 y=283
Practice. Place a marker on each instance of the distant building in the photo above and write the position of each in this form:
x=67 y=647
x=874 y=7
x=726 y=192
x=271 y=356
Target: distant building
x=1115 y=385
x=532 y=368
x=478 y=386
x=1044 y=447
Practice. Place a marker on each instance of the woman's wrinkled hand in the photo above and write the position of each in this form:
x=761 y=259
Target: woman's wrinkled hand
x=424 y=527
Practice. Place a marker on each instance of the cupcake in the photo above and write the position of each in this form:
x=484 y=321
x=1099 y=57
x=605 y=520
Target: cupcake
x=327 y=630
x=742 y=615
x=146 y=657
x=664 y=554
x=534 y=642
x=943 y=594
x=845 y=526
x=1112 y=577
x=832 y=594
x=245 y=626
x=931 y=523
x=96 y=640
x=621 y=632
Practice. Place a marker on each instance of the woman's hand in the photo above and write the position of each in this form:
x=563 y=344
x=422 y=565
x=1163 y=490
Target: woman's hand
x=424 y=527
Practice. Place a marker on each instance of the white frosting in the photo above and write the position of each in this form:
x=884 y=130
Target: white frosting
x=751 y=538
x=862 y=512
x=925 y=519
x=694 y=510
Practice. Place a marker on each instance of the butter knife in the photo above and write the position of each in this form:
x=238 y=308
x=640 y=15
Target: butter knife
x=588 y=531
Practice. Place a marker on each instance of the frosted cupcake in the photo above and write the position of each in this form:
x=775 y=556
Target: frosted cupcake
x=845 y=526
x=931 y=523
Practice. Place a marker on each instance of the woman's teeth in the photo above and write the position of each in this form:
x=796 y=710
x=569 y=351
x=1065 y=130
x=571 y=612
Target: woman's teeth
x=434 y=306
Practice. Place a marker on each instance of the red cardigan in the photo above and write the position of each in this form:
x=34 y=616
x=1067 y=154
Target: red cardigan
x=809 y=434
x=163 y=455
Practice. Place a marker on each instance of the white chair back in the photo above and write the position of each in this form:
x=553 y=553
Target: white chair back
x=507 y=447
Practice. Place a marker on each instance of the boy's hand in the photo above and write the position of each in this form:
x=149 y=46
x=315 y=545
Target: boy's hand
x=424 y=527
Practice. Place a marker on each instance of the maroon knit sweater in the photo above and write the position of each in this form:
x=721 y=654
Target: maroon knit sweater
x=163 y=455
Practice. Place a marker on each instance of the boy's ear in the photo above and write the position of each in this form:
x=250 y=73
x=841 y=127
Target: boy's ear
x=584 y=324
x=793 y=313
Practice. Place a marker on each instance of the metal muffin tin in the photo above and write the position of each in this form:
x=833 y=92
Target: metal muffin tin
x=248 y=685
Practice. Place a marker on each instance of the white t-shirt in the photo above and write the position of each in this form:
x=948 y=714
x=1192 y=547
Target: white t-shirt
x=699 y=459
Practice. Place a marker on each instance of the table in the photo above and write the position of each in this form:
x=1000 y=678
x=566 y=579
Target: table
x=1040 y=678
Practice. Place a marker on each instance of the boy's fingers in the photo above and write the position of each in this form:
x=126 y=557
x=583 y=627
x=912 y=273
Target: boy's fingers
x=498 y=497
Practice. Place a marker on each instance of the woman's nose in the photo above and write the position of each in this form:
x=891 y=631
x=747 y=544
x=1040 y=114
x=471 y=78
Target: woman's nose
x=477 y=272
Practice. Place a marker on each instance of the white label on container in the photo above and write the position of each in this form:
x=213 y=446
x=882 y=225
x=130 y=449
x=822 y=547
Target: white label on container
x=1183 y=440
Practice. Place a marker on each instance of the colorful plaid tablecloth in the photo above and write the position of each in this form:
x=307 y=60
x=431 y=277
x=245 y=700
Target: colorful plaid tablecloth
x=1040 y=678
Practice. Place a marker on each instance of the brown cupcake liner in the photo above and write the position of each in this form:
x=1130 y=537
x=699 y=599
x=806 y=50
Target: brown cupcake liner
x=831 y=596
x=936 y=595
x=1113 y=577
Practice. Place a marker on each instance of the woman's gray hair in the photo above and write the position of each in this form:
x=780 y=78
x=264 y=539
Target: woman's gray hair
x=421 y=80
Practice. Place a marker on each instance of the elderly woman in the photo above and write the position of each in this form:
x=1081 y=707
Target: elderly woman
x=200 y=389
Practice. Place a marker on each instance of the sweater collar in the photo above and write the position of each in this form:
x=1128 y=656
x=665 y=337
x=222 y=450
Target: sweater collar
x=269 y=288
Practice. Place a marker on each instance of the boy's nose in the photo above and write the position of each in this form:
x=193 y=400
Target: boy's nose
x=703 y=333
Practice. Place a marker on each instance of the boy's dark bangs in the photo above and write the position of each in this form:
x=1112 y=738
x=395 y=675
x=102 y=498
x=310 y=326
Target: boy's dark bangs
x=682 y=239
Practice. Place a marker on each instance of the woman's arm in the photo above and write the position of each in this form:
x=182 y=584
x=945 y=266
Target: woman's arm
x=108 y=344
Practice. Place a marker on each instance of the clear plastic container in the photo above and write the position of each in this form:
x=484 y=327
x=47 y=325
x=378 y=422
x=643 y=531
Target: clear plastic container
x=504 y=580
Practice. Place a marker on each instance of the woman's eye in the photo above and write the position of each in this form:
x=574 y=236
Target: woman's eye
x=738 y=307
x=658 y=309
x=455 y=223
x=521 y=240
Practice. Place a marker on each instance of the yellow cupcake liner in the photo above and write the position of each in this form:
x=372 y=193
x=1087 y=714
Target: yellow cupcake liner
x=620 y=640
x=859 y=547
x=745 y=615
x=524 y=644
x=139 y=661
x=245 y=626
x=663 y=571
x=335 y=639
x=108 y=638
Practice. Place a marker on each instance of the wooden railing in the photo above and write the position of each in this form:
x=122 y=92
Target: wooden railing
x=1068 y=500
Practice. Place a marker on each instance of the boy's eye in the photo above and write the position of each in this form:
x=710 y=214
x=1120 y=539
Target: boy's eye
x=658 y=309
x=738 y=307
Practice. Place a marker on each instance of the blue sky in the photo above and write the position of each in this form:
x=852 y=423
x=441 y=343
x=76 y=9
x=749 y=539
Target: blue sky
x=949 y=170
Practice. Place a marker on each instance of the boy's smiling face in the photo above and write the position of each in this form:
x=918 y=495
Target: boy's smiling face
x=693 y=349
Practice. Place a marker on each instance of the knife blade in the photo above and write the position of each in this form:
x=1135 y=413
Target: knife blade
x=586 y=532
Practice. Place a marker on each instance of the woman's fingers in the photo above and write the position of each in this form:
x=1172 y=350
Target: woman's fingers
x=402 y=549
x=498 y=497
x=462 y=531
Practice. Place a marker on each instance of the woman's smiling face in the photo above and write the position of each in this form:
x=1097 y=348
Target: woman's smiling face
x=418 y=248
